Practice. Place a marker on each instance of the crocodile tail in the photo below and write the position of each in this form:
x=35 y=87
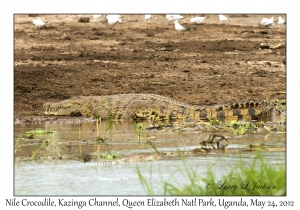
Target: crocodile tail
x=239 y=111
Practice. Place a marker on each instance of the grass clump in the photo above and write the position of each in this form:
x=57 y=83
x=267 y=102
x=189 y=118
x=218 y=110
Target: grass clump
x=47 y=148
x=258 y=178
x=18 y=144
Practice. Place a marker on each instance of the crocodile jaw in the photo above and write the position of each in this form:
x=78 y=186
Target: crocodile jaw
x=64 y=108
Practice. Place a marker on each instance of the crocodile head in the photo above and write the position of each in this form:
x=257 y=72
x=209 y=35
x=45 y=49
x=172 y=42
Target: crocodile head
x=68 y=107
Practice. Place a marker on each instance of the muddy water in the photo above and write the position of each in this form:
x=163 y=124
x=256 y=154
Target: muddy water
x=71 y=176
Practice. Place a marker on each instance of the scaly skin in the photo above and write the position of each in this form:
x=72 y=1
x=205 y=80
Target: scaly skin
x=154 y=107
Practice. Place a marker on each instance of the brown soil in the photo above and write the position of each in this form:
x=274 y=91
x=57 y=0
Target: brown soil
x=212 y=63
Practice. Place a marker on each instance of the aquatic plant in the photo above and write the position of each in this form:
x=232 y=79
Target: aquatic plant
x=144 y=182
x=46 y=146
x=258 y=178
x=215 y=122
x=240 y=127
x=79 y=138
x=140 y=130
x=38 y=132
x=109 y=123
x=18 y=144
x=41 y=148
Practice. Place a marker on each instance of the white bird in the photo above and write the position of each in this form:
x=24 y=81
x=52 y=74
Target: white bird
x=177 y=17
x=197 y=20
x=179 y=27
x=112 y=20
x=223 y=18
x=114 y=16
x=263 y=21
x=174 y=17
x=169 y=17
x=39 y=23
x=280 y=21
x=267 y=22
x=148 y=17
x=96 y=17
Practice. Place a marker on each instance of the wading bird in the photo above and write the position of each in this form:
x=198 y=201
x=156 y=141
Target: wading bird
x=267 y=22
x=174 y=17
x=112 y=20
x=96 y=17
x=223 y=18
x=197 y=20
x=179 y=27
x=148 y=17
x=280 y=20
x=39 y=23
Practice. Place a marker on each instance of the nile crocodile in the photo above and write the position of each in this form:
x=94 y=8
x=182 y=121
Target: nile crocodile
x=153 y=107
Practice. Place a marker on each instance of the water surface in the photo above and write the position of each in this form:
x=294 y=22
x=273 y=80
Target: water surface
x=70 y=176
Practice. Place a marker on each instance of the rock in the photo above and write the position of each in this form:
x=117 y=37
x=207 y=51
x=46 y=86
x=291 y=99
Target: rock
x=272 y=46
x=264 y=46
x=202 y=61
x=84 y=19
x=150 y=33
x=33 y=15
x=264 y=32
x=277 y=46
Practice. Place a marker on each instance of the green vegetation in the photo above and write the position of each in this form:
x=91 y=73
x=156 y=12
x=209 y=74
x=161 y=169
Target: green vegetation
x=215 y=122
x=139 y=128
x=258 y=178
x=46 y=147
x=38 y=132
x=110 y=156
x=109 y=123
x=275 y=101
x=18 y=144
x=42 y=144
x=43 y=148
x=238 y=127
